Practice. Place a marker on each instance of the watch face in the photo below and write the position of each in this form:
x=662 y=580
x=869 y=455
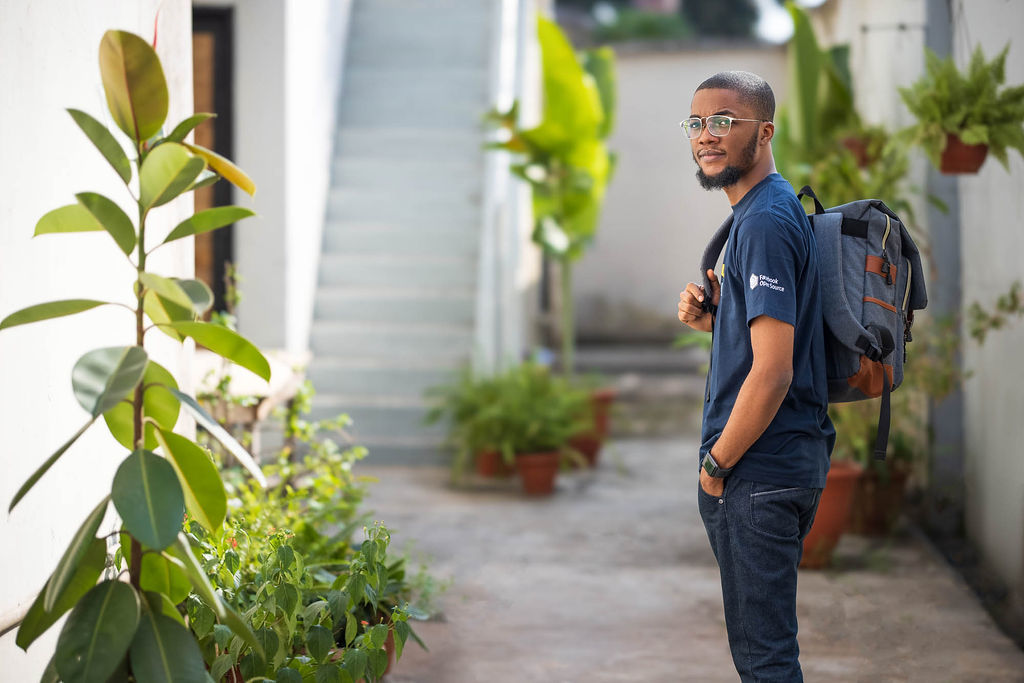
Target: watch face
x=709 y=466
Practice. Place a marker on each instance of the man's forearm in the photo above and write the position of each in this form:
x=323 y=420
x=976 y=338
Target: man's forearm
x=757 y=403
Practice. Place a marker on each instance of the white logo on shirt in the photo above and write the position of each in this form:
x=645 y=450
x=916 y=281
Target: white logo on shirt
x=753 y=281
x=765 y=281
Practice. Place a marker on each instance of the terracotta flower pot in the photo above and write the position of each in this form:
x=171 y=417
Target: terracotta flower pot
x=589 y=443
x=490 y=464
x=538 y=472
x=833 y=515
x=961 y=158
x=877 y=502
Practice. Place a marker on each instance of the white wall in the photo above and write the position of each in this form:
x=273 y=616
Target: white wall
x=992 y=243
x=288 y=58
x=656 y=219
x=48 y=61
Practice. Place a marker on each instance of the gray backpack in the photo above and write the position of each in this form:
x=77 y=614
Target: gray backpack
x=871 y=284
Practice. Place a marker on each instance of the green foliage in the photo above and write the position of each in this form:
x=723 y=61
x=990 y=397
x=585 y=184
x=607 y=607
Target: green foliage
x=734 y=18
x=633 y=24
x=1006 y=307
x=526 y=409
x=972 y=105
x=564 y=158
x=116 y=630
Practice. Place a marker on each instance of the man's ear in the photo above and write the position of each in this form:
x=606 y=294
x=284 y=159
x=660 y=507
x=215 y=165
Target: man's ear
x=768 y=133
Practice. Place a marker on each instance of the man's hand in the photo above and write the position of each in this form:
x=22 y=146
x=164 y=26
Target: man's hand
x=713 y=486
x=690 y=300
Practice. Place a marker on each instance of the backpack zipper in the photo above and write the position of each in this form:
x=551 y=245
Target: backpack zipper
x=886 y=266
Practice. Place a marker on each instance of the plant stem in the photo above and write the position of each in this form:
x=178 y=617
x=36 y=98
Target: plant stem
x=138 y=435
x=568 y=329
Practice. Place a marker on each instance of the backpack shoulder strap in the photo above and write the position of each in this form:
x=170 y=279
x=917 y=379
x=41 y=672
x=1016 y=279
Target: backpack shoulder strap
x=711 y=254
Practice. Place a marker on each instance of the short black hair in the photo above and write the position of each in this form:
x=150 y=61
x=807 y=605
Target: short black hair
x=753 y=89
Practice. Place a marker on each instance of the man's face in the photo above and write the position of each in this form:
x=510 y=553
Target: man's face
x=722 y=162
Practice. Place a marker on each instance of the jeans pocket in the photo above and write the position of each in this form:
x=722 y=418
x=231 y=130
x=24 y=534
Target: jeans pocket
x=777 y=510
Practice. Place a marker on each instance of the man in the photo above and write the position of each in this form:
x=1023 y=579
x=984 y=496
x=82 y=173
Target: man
x=766 y=436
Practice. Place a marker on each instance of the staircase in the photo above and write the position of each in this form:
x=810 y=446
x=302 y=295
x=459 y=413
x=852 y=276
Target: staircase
x=396 y=296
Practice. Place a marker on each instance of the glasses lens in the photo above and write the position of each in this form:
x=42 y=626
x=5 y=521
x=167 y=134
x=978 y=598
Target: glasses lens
x=692 y=128
x=719 y=125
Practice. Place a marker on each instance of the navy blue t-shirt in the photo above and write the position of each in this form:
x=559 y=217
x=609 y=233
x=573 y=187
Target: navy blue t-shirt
x=771 y=268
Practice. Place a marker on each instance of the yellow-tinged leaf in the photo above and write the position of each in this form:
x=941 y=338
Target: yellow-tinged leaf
x=225 y=168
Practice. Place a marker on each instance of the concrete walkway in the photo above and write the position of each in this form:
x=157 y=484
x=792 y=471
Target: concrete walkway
x=612 y=579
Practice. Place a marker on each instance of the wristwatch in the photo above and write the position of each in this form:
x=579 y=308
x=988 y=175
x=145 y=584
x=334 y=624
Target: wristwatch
x=712 y=468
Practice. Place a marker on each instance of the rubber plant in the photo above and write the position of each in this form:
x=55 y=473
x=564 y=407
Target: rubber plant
x=564 y=158
x=133 y=630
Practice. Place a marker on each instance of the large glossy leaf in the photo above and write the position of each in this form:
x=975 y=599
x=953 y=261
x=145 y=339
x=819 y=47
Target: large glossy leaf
x=68 y=564
x=164 y=651
x=39 y=619
x=167 y=288
x=225 y=168
x=148 y=497
x=205 y=497
x=103 y=377
x=48 y=311
x=50 y=674
x=805 y=67
x=210 y=219
x=226 y=343
x=571 y=109
x=105 y=143
x=113 y=219
x=164 y=577
x=134 y=84
x=166 y=173
x=187 y=126
x=199 y=293
x=31 y=481
x=70 y=218
x=319 y=640
x=600 y=63
x=162 y=312
x=97 y=634
x=158 y=403
x=207 y=422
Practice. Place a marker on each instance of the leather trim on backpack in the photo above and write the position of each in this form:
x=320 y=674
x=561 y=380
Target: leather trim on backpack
x=876 y=264
x=873 y=300
x=868 y=380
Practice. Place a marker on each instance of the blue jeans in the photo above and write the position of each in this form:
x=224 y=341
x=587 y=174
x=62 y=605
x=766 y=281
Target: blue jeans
x=756 y=531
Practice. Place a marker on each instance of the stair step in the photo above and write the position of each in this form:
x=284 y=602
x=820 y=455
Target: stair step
x=404 y=96
x=398 y=341
x=373 y=421
x=336 y=378
x=459 y=177
x=403 y=270
x=411 y=142
x=404 y=205
x=406 y=238
x=398 y=305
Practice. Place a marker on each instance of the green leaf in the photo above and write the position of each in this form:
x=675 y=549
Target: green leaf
x=97 y=633
x=225 y=168
x=227 y=344
x=166 y=173
x=205 y=497
x=223 y=664
x=165 y=652
x=68 y=564
x=287 y=598
x=164 y=577
x=199 y=293
x=167 y=288
x=287 y=675
x=355 y=662
x=158 y=404
x=402 y=630
x=134 y=84
x=113 y=219
x=102 y=377
x=27 y=486
x=351 y=628
x=270 y=642
x=39 y=619
x=187 y=126
x=162 y=312
x=205 y=179
x=377 y=634
x=378 y=662
x=328 y=673
x=319 y=640
x=49 y=310
x=600 y=63
x=50 y=674
x=210 y=219
x=216 y=431
x=70 y=218
x=148 y=497
x=105 y=143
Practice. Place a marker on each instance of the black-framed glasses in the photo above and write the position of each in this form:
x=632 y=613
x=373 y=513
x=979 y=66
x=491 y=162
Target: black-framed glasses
x=718 y=125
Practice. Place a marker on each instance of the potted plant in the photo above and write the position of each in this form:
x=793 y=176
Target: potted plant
x=833 y=515
x=961 y=116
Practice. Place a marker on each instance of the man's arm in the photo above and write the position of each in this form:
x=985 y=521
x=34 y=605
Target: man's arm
x=759 y=397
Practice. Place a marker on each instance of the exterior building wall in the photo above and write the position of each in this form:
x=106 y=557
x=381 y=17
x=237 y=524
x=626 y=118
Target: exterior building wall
x=48 y=62
x=992 y=245
x=656 y=219
x=287 y=74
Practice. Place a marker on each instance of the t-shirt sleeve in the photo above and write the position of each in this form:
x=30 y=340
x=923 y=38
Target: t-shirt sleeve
x=770 y=258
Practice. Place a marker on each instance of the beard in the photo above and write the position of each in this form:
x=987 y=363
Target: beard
x=731 y=174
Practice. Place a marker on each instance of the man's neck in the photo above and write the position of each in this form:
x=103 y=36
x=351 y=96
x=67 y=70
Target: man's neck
x=745 y=184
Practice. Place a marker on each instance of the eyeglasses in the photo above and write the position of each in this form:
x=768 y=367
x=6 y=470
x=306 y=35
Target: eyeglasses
x=718 y=125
